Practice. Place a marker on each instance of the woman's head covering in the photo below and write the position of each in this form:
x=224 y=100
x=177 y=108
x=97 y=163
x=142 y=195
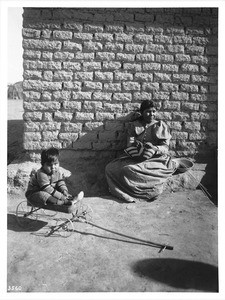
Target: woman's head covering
x=147 y=104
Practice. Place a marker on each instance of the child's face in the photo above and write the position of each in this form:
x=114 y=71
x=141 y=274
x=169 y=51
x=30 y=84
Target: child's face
x=50 y=168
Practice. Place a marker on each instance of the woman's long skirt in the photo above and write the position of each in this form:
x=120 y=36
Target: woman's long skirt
x=131 y=180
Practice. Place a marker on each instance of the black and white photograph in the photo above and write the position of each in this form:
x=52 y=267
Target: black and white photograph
x=111 y=133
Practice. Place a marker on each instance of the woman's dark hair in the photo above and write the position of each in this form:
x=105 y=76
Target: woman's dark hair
x=147 y=104
x=50 y=155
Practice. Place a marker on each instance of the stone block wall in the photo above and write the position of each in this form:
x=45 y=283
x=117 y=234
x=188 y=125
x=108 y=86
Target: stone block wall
x=87 y=69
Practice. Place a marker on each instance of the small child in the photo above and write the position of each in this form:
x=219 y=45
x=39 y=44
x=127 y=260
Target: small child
x=47 y=185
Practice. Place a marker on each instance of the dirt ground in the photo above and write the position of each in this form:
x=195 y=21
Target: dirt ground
x=120 y=250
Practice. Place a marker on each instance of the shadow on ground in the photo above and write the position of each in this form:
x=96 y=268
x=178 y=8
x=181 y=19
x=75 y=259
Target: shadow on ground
x=183 y=274
x=12 y=224
x=123 y=238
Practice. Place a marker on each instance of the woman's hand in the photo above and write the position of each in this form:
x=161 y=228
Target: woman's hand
x=148 y=145
x=135 y=143
x=138 y=143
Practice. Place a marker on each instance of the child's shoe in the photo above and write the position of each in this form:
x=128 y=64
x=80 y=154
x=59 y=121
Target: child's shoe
x=78 y=198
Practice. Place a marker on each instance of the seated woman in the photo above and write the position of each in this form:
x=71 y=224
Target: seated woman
x=142 y=172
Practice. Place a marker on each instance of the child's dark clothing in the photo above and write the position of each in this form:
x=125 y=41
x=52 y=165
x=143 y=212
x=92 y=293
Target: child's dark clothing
x=42 y=186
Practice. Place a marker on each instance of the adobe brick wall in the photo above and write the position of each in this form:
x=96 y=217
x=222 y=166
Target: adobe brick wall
x=86 y=70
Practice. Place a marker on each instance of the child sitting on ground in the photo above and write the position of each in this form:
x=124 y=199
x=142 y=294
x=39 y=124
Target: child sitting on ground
x=47 y=185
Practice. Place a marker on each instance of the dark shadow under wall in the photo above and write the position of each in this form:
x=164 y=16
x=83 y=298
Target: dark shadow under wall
x=87 y=174
x=14 y=139
x=210 y=179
